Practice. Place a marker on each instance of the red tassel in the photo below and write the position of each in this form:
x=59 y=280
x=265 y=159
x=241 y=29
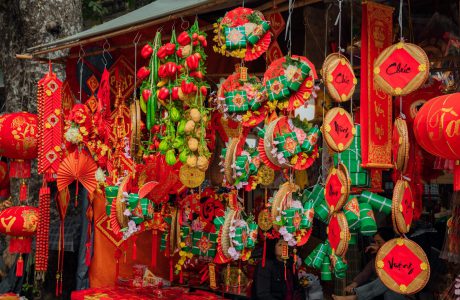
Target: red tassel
x=285 y=271
x=20 y=266
x=117 y=268
x=153 y=263
x=181 y=277
x=457 y=176
x=23 y=191
x=88 y=254
x=264 y=254
x=171 y=271
x=134 y=257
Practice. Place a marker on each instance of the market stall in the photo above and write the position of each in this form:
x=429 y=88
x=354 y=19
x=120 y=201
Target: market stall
x=191 y=135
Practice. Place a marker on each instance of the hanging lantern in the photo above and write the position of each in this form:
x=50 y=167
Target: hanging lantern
x=19 y=222
x=18 y=142
x=437 y=129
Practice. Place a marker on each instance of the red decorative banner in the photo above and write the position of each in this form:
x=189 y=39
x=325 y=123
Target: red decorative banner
x=277 y=25
x=122 y=71
x=376 y=105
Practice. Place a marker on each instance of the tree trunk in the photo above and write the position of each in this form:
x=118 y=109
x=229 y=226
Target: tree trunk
x=26 y=23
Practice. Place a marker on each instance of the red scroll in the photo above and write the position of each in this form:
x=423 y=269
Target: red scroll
x=376 y=105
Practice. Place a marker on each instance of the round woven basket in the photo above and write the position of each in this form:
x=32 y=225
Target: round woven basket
x=402 y=266
x=344 y=234
x=120 y=205
x=400 y=144
x=281 y=199
x=402 y=207
x=225 y=239
x=330 y=64
x=328 y=129
x=229 y=160
x=413 y=84
x=343 y=177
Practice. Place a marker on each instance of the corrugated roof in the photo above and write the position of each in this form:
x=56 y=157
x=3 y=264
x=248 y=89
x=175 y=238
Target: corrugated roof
x=149 y=12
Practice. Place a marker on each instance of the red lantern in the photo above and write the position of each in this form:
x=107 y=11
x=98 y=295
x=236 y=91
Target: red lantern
x=18 y=141
x=437 y=129
x=20 y=222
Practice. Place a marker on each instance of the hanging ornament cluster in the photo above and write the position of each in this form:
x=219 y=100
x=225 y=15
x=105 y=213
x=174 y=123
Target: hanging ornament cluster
x=242 y=33
x=290 y=82
x=173 y=94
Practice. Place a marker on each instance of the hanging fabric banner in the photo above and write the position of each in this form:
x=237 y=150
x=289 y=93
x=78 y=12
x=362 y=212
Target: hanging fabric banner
x=376 y=105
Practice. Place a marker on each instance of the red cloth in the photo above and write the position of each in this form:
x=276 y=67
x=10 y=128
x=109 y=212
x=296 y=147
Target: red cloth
x=376 y=106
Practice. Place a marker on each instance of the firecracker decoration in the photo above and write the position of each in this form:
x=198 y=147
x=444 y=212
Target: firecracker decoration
x=338 y=129
x=289 y=82
x=18 y=142
x=402 y=266
x=242 y=33
x=41 y=251
x=339 y=77
x=19 y=222
x=402 y=207
x=401 y=69
x=49 y=125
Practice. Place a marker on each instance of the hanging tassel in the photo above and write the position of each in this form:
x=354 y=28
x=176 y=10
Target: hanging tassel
x=227 y=281
x=20 y=266
x=239 y=277
x=23 y=191
x=117 y=260
x=264 y=254
x=181 y=278
x=295 y=261
x=57 y=283
x=285 y=271
x=134 y=254
x=88 y=254
x=171 y=271
x=153 y=262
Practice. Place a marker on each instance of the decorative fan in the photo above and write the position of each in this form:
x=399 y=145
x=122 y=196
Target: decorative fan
x=290 y=78
x=242 y=33
x=80 y=167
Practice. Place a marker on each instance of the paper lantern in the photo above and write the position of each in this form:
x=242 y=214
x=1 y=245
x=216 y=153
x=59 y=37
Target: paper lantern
x=437 y=129
x=19 y=222
x=402 y=266
x=18 y=141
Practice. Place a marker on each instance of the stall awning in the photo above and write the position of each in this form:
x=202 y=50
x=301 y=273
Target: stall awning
x=159 y=10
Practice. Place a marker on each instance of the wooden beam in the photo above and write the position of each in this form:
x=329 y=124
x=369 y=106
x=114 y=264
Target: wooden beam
x=265 y=8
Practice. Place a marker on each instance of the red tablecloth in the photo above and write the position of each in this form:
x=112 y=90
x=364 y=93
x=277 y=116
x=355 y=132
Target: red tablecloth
x=115 y=293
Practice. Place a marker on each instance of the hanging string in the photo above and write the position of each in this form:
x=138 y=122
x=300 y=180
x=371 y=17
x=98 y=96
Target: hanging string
x=338 y=21
x=81 y=54
x=288 y=32
x=400 y=19
x=135 y=42
x=323 y=105
x=351 y=58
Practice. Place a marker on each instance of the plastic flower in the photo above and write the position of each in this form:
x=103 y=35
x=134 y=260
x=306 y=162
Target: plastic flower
x=235 y=255
x=127 y=212
x=73 y=135
x=100 y=175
